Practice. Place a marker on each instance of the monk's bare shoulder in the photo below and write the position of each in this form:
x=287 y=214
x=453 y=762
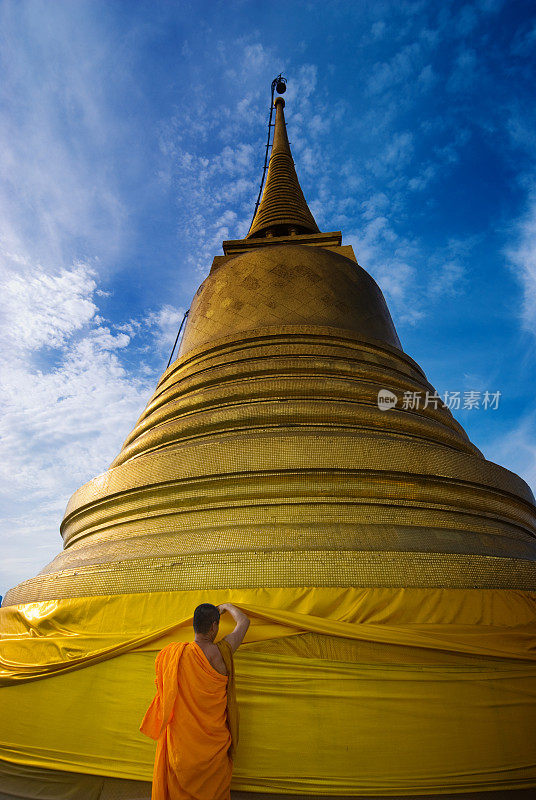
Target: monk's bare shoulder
x=215 y=658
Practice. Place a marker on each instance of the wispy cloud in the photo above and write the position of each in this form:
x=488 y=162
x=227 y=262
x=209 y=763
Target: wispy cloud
x=515 y=448
x=39 y=309
x=72 y=387
x=522 y=257
x=57 y=188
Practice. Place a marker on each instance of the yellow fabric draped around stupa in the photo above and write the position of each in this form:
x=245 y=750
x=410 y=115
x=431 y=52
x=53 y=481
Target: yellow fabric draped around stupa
x=388 y=568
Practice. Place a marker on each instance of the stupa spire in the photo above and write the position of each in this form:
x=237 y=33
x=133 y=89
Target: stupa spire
x=283 y=206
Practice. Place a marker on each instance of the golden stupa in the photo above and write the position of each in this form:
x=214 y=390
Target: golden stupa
x=388 y=567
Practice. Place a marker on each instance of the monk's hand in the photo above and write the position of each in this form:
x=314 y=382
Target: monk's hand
x=235 y=638
x=222 y=609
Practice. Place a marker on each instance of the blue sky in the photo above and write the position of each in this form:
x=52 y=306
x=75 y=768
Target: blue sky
x=132 y=136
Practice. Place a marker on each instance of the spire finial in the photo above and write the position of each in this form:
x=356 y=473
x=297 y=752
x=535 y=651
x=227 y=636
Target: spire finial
x=283 y=206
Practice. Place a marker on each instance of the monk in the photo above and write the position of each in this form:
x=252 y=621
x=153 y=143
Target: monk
x=194 y=716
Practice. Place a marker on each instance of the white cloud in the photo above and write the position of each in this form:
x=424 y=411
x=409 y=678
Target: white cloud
x=466 y=20
x=378 y=29
x=522 y=258
x=57 y=187
x=421 y=181
x=464 y=72
x=208 y=180
x=390 y=259
x=256 y=57
x=427 y=77
x=447 y=279
x=72 y=388
x=489 y=6
x=398 y=70
x=516 y=448
x=165 y=324
x=39 y=309
x=395 y=155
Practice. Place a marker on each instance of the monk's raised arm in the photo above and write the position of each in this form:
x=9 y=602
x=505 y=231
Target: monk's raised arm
x=242 y=624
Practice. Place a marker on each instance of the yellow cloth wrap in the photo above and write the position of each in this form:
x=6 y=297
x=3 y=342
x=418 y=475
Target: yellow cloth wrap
x=424 y=690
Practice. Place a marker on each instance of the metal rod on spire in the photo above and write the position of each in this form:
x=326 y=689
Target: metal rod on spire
x=279 y=84
x=177 y=337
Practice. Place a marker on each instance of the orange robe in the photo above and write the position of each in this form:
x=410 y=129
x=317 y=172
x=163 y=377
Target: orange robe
x=192 y=723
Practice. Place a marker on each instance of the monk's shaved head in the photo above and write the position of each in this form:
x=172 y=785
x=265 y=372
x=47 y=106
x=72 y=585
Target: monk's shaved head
x=204 y=616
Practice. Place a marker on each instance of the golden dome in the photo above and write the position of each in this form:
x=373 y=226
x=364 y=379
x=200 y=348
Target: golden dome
x=287 y=284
